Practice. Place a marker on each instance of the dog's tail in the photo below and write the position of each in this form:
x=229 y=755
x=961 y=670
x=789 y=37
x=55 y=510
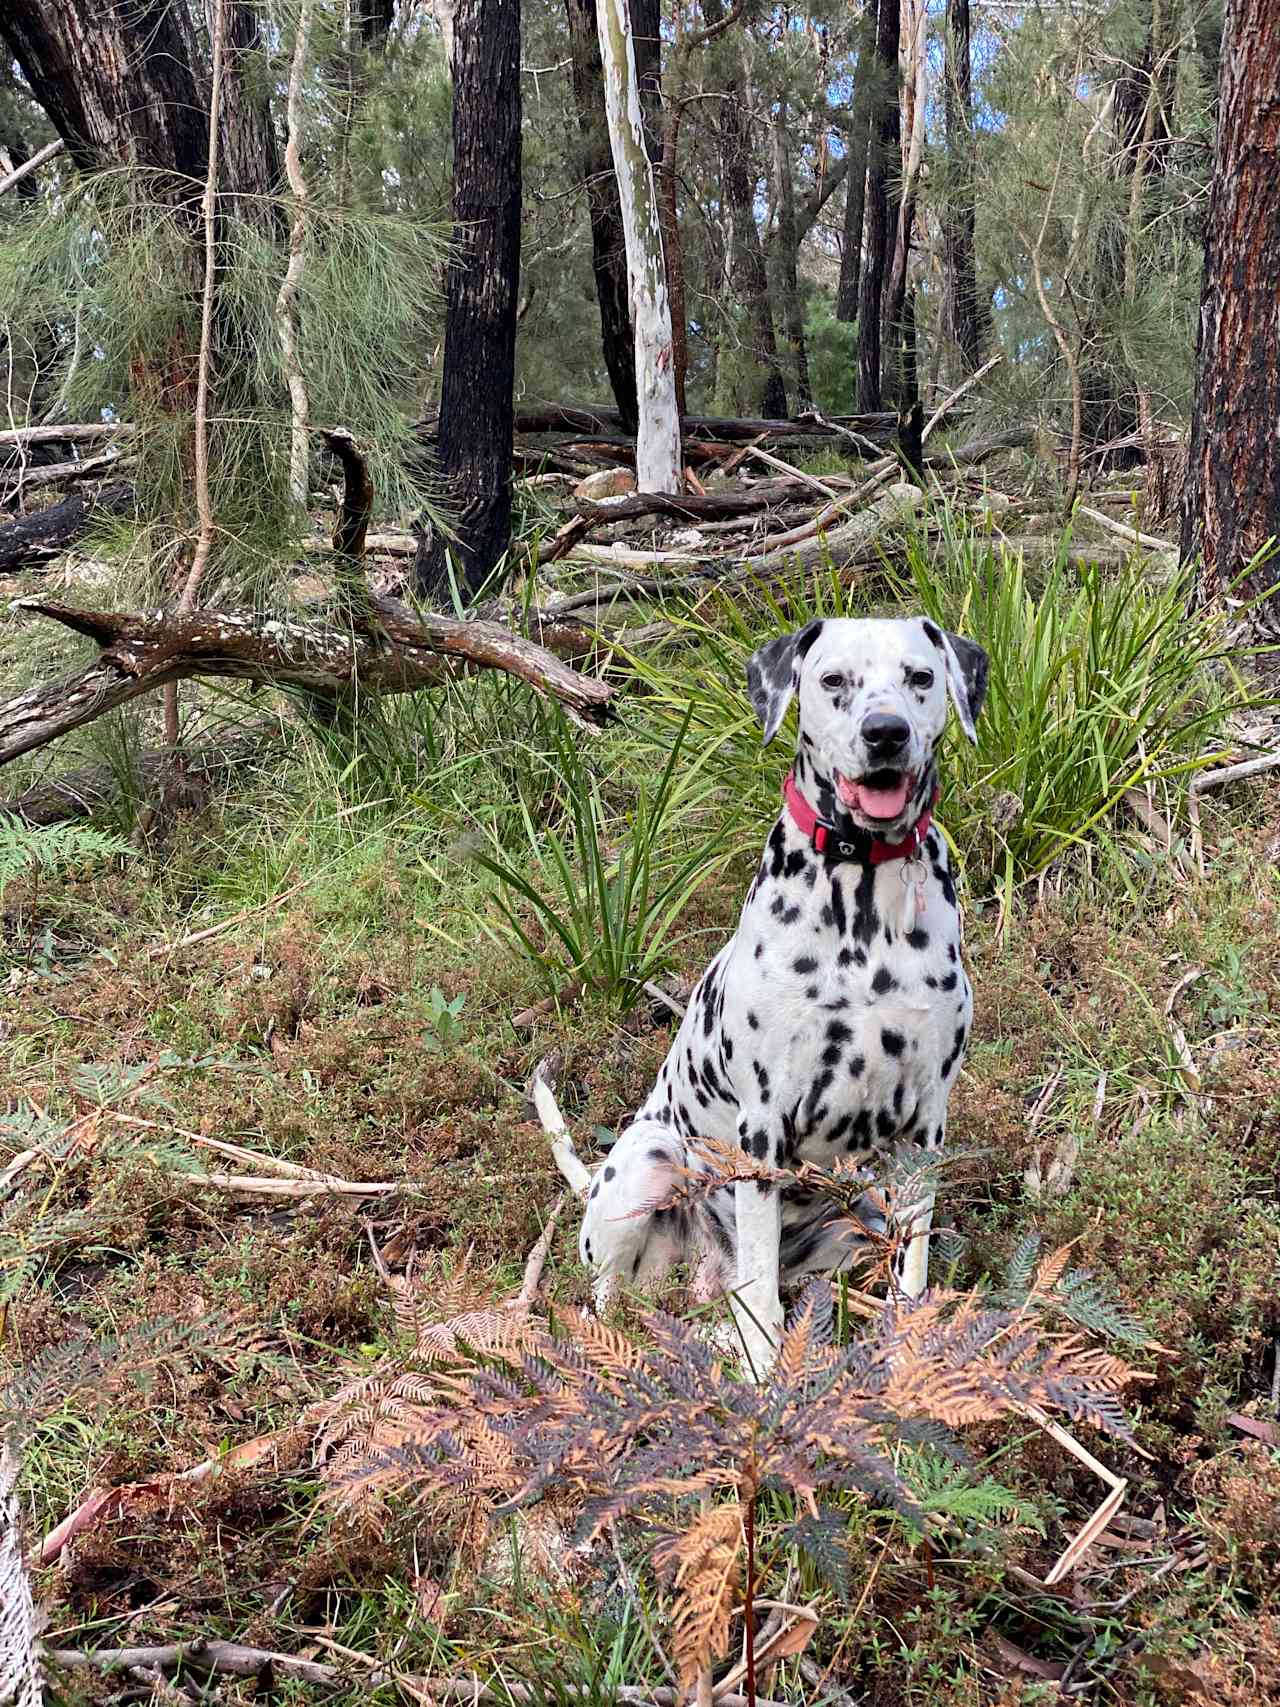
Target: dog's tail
x=567 y=1158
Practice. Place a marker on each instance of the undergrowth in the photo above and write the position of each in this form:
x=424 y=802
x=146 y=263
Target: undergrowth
x=352 y=1012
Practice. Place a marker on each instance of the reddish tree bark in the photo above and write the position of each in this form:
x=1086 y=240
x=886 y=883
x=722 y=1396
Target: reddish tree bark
x=1232 y=502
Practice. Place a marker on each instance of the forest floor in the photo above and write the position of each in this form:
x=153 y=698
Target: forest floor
x=357 y=1020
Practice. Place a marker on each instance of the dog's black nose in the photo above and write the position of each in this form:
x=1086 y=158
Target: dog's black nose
x=885 y=734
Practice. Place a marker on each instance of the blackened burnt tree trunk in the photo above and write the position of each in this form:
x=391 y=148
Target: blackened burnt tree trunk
x=608 y=242
x=883 y=163
x=1232 y=502
x=856 y=193
x=476 y=410
x=959 y=276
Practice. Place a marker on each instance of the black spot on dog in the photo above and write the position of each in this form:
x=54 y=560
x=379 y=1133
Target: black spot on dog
x=753 y=1020
x=727 y=1047
x=826 y=915
x=595 y=1190
x=586 y=1249
x=839 y=914
x=892 y=1042
x=883 y=981
x=897 y=1099
x=857 y=1066
x=759 y=950
x=951 y=953
x=930 y=981
x=838 y=1032
x=760 y=1143
x=949 y=982
x=794 y=864
x=917 y=938
x=885 y=1123
x=845 y=957
x=831 y=1055
x=778 y=906
x=777 y=848
x=791 y=915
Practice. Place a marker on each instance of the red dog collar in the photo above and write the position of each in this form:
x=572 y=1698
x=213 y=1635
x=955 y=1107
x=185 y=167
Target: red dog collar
x=824 y=838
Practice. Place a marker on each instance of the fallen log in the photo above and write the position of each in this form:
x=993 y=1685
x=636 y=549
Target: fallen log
x=45 y=533
x=82 y=793
x=18 y=479
x=693 y=506
x=978 y=450
x=144 y=650
x=882 y=425
x=75 y=433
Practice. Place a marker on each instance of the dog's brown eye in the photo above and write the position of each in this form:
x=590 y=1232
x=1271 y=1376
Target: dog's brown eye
x=831 y=681
x=922 y=678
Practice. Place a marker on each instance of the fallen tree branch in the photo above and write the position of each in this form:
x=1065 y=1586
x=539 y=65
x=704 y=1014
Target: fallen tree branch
x=235 y=1659
x=693 y=506
x=948 y=403
x=26 y=479
x=43 y=534
x=855 y=542
x=37 y=160
x=978 y=450
x=144 y=650
x=76 y=433
x=81 y=793
x=1131 y=535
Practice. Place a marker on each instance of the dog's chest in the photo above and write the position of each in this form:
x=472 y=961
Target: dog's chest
x=850 y=1005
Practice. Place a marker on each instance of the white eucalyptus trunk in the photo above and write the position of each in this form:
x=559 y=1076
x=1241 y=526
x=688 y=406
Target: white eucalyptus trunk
x=658 y=437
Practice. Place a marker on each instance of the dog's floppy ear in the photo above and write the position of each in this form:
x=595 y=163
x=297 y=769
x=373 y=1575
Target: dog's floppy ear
x=966 y=667
x=773 y=674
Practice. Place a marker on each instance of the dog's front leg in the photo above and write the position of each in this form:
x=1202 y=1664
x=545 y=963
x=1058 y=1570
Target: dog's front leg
x=757 y=1307
x=915 y=1219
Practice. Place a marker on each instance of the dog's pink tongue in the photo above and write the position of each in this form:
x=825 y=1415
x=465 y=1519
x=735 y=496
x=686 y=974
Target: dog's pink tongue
x=884 y=803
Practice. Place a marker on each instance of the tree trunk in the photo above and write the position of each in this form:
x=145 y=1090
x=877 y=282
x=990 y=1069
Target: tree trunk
x=856 y=194
x=898 y=366
x=658 y=436
x=959 y=278
x=787 y=245
x=129 y=86
x=608 y=243
x=1232 y=503
x=646 y=41
x=748 y=275
x=481 y=293
x=883 y=160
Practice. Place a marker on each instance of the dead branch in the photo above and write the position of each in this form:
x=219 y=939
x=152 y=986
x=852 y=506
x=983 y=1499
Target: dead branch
x=24 y=479
x=600 y=419
x=235 y=1659
x=28 y=166
x=46 y=533
x=692 y=506
x=73 y=434
x=143 y=650
x=81 y=793
x=1137 y=539
x=948 y=403
x=350 y=534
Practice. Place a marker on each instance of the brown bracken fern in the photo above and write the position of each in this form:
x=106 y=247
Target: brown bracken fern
x=663 y=1431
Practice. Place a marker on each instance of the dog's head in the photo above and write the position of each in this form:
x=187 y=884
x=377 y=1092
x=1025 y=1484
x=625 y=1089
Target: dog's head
x=873 y=705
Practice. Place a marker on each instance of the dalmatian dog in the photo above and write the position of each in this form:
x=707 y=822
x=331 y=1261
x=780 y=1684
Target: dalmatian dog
x=833 y=1023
